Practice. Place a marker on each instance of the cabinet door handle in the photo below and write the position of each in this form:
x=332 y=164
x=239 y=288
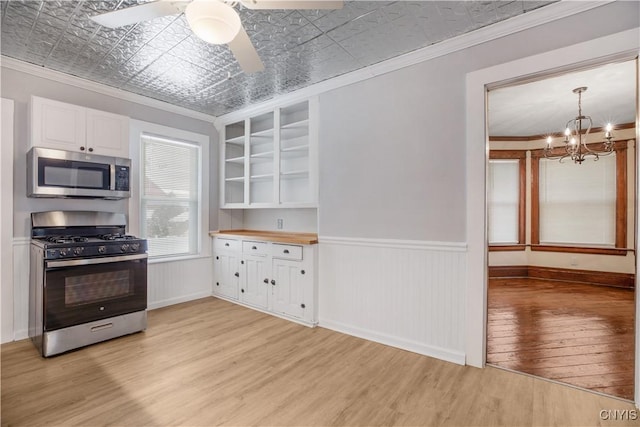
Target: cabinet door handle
x=273 y=282
x=242 y=290
x=90 y=150
x=254 y=248
x=302 y=305
x=217 y=283
x=286 y=251
x=302 y=272
x=217 y=257
x=242 y=262
x=226 y=244
x=82 y=148
x=237 y=274
x=266 y=281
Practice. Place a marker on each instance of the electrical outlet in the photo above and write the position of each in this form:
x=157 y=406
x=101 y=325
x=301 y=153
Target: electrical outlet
x=280 y=223
x=574 y=261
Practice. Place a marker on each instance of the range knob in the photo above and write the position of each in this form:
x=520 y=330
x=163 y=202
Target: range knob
x=78 y=250
x=135 y=247
x=102 y=249
x=124 y=247
x=64 y=252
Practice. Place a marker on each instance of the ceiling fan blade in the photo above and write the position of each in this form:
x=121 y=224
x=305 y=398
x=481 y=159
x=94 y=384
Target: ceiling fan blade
x=245 y=53
x=292 y=4
x=143 y=12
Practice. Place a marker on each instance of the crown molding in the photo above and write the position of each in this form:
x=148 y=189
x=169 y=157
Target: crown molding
x=513 y=25
x=46 y=73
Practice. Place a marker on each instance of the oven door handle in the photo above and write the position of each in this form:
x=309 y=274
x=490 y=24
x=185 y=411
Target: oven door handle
x=91 y=261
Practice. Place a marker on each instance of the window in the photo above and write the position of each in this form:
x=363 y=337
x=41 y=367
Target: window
x=506 y=200
x=504 y=197
x=169 y=200
x=172 y=190
x=580 y=208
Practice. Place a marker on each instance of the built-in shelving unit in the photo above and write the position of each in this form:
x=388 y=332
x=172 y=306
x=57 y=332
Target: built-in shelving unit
x=234 y=164
x=271 y=158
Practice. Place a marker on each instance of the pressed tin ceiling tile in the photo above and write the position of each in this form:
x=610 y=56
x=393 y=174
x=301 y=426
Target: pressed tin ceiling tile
x=162 y=59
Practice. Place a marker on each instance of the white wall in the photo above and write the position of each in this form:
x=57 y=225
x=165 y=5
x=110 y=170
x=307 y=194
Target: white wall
x=6 y=221
x=168 y=282
x=393 y=166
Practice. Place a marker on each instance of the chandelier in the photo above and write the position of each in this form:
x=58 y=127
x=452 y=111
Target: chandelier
x=575 y=138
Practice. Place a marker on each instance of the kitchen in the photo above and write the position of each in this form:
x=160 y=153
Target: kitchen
x=359 y=124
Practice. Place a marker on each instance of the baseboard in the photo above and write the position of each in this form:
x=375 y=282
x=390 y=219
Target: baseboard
x=508 y=271
x=404 y=344
x=178 y=300
x=606 y=278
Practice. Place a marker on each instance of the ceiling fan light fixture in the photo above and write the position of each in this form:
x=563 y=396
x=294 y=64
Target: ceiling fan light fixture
x=213 y=21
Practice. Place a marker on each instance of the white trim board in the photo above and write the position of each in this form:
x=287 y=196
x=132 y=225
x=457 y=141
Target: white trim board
x=46 y=73
x=395 y=243
x=513 y=25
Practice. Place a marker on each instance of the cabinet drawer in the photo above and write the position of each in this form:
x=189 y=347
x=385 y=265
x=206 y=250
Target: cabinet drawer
x=255 y=248
x=287 y=251
x=226 y=244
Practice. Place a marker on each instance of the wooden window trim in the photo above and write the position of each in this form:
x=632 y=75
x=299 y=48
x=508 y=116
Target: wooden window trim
x=621 y=206
x=521 y=156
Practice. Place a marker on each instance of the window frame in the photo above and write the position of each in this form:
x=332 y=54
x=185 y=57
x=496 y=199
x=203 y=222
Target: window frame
x=620 y=247
x=521 y=156
x=137 y=130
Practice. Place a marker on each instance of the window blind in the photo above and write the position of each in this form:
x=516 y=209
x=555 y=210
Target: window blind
x=170 y=196
x=578 y=202
x=503 y=201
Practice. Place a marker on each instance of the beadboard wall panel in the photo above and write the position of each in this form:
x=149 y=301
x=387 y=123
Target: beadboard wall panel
x=407 y=294
x=21 y=247
x=174 y=282
x=168 y=283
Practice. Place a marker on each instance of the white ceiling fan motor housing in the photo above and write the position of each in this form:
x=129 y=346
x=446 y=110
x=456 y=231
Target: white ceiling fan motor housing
x=213 y=21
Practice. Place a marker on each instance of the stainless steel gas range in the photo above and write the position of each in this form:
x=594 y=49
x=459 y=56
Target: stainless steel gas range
x=88 y=280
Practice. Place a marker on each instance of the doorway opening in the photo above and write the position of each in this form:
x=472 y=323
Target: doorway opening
x=561 y=234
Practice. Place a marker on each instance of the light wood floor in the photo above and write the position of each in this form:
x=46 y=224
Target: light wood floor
x=209 y=362
x=570 y=332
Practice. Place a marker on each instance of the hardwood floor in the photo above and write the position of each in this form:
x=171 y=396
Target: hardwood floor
x=209 y=362
x=574 y=333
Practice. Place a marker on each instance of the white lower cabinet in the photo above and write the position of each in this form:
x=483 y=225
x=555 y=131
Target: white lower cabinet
x=228 y=274
x=272 y=277
x=254 y=283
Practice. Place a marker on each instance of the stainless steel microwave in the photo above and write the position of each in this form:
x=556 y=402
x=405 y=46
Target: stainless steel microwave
x=59 y=173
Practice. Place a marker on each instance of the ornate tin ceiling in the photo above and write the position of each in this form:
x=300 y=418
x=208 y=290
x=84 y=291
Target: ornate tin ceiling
x=162 y=59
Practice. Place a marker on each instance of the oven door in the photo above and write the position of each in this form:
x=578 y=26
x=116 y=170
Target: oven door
x=83 y=290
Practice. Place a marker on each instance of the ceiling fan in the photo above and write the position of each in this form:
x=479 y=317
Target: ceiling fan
x=214 y=21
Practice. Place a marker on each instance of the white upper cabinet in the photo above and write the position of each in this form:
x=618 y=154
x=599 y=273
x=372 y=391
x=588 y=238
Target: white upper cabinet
x=270 y=159
x=70 y=127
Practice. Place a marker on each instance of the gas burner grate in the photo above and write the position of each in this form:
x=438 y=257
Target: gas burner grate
x=66 y=239
x=116 y=237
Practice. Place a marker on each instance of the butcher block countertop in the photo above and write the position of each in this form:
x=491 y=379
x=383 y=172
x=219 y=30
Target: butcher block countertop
x=272 y=236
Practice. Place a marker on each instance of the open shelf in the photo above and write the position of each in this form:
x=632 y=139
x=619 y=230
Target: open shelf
x=262 y=177
x=235 y=179
x=295 y=174
x=266 y=133
x=235 y=160
x=296 y=125
x=238 y=140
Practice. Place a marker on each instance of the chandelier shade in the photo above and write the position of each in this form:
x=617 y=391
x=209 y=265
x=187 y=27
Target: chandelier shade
x=576 y=134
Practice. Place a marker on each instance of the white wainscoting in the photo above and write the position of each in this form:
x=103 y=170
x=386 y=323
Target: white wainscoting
x=406 y=294
x=21 y=287
x=178 y=281
x=169 y=283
